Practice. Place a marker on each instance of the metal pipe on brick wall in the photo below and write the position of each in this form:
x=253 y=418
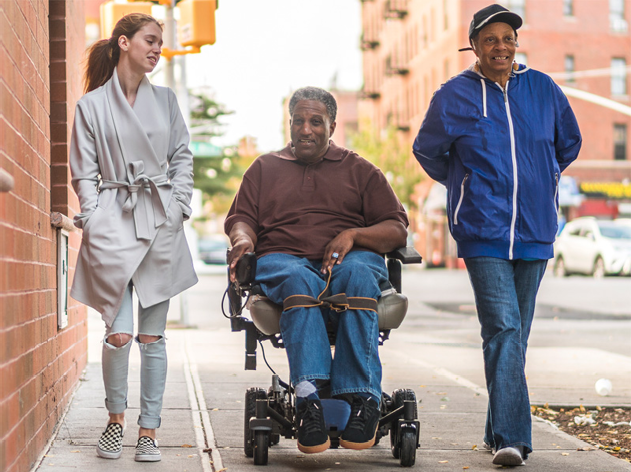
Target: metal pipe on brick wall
x=59 y=220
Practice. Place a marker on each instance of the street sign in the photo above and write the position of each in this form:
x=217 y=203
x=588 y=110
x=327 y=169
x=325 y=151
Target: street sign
x=205 y=150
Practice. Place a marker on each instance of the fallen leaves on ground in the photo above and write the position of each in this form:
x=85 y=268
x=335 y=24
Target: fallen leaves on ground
x=607 y=429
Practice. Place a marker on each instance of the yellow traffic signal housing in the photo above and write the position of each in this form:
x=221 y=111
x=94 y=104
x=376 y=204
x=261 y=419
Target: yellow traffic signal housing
x=196 y=26
x=112 y=11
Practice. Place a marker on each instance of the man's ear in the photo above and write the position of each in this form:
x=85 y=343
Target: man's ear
x=332 y=128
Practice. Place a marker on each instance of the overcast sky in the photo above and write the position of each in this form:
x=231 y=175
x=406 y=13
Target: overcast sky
x=266 y=49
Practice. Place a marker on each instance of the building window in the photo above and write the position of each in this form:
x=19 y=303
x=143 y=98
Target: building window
x=619 y=142
x=568 y=7
x=618 y=76
x=517 y=6
x=569 y=69
x=617 y=21
x=521 y=58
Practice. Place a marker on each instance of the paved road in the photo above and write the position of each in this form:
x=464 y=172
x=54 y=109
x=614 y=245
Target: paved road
x=581 y=333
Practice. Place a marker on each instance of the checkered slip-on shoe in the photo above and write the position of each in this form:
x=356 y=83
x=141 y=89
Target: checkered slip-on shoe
x=147 y=450
x=110 y=444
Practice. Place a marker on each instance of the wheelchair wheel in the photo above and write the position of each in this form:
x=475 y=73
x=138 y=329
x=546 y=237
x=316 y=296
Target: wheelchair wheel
x=408 y=448
x=261 y=444
x=398 y=397
x=251 y=395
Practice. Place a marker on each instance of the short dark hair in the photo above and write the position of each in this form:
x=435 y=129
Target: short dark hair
x=317 y=94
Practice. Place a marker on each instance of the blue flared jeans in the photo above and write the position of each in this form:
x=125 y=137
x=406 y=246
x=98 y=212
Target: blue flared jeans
x=153 y=361
x=355 y=367
x=505 y=293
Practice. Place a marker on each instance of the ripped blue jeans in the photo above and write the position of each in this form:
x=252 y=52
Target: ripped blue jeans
x=153 y=360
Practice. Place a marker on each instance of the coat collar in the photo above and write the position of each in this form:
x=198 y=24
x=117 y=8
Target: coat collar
x=141 y=155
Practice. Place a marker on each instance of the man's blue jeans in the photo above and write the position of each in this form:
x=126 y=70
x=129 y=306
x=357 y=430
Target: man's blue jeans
x=505 y=293
x=356 y=366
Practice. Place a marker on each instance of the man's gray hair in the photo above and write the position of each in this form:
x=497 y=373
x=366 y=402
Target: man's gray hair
x=317 y=94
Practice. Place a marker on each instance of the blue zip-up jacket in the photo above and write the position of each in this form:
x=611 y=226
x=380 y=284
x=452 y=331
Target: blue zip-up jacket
x=500 y=152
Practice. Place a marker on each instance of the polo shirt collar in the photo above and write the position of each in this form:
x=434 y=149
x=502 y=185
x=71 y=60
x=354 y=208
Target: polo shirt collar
x=334 y=153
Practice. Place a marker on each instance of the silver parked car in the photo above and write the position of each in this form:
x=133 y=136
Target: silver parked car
x=212 y=249
x=594 y=247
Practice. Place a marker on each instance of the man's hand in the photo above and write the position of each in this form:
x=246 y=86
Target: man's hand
x=236 y=252
x=336 y=250
x=243 y=240
x=381 y=238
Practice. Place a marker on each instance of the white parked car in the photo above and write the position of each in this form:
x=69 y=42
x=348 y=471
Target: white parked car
x=591 y=246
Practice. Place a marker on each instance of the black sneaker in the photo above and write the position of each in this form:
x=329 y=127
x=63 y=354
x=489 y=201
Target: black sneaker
x=362 y=425
x=312 y=435
x=110 y=444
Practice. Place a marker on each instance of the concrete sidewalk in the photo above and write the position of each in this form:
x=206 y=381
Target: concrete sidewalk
x=203 y=412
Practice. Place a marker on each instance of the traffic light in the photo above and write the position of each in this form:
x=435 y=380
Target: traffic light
x=112 y=11
x=196 y=26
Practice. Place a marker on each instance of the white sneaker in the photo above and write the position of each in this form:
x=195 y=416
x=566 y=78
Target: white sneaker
x=508 y=456
x=147 y=450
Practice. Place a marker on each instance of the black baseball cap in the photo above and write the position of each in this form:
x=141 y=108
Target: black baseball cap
x=493 y=14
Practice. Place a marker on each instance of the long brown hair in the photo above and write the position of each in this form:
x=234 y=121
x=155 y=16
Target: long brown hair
x=104 y=54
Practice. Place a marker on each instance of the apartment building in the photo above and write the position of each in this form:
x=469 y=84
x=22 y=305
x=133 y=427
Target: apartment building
x=410 y=47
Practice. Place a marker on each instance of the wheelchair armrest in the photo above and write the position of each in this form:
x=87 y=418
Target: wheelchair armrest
x=407 y=255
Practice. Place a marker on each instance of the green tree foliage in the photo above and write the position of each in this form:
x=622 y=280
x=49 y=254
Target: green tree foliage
x=392 y=155
x=214 y=167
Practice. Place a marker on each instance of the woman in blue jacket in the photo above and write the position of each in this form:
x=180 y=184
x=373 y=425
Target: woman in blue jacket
x=498 y=135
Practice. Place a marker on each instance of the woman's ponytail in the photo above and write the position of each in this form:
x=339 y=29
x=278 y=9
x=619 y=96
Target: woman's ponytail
x=101 y=63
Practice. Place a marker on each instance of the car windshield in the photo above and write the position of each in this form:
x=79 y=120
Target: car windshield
x=614 y=231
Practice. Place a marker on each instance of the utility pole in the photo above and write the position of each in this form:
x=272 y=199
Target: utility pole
x=170 y=42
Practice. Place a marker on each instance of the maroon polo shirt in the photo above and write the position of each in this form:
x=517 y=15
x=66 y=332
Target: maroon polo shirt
x=298 y=209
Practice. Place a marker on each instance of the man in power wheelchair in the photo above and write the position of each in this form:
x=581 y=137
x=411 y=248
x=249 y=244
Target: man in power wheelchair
x=319 y=218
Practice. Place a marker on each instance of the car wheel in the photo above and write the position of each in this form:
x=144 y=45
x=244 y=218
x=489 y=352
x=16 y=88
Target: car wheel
x=559 y=268
x=598 y=272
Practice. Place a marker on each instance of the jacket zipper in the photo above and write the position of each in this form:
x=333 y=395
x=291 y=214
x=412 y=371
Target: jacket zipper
x=515 y=178
x=556 y=191
x=460 y=199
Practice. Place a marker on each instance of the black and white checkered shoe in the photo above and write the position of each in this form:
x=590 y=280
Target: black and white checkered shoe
x=110 y=444
x=147 y=450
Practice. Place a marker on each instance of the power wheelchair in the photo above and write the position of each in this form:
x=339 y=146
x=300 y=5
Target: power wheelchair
x=271 y=414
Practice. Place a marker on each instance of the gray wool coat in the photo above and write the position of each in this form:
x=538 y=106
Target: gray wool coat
x=133 y=173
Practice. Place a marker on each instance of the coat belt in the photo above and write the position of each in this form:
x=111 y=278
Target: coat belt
x=137 y=200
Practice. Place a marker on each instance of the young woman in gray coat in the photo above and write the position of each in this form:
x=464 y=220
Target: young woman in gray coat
x=133 y=173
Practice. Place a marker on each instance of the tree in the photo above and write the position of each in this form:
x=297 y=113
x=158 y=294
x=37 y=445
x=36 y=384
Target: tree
x=394 y=157
x=215 y=168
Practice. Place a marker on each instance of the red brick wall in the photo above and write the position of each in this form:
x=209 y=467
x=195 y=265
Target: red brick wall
x=39 y=364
